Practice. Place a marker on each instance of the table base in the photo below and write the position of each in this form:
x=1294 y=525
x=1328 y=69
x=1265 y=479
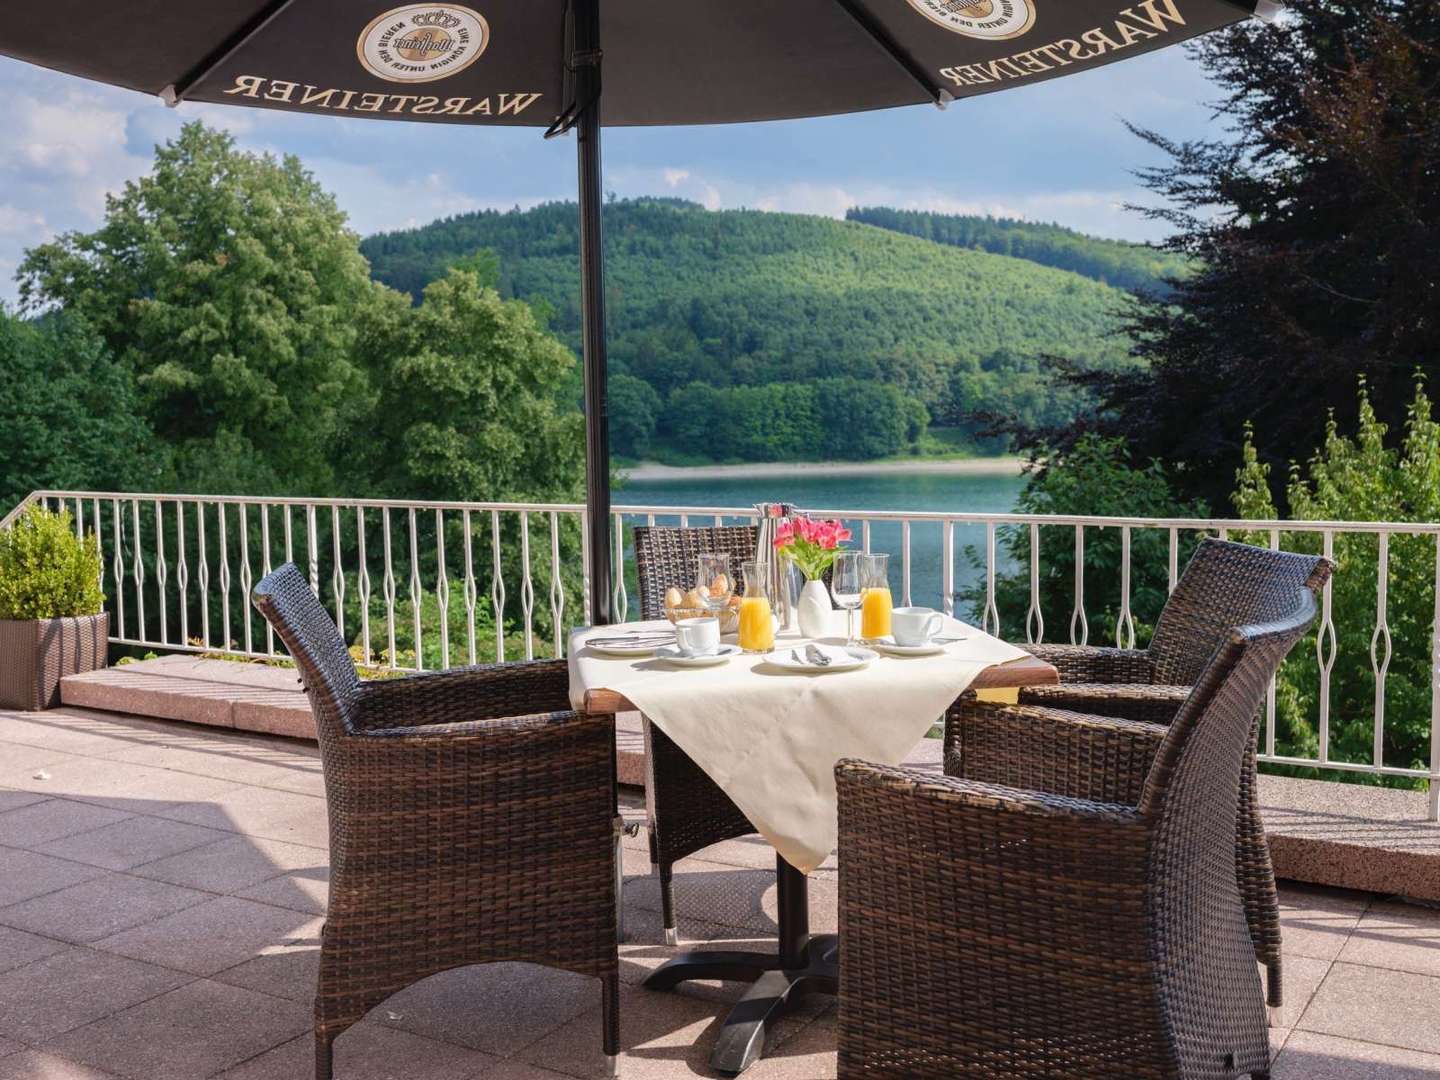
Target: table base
x=803 y=964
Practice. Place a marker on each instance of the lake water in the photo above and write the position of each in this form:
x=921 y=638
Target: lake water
x=920 y=491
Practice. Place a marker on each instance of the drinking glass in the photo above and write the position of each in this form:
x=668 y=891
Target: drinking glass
x=847 y=586
x=714 y=574
x=875 y=604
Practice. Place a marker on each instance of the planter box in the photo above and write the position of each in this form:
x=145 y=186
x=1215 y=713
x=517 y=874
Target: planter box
x=35 y=656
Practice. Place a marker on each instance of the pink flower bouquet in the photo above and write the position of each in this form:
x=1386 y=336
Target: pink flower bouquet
x=811 y=545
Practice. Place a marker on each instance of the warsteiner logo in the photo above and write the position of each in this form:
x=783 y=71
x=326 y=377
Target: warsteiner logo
x=991 y=19
x=423 y=42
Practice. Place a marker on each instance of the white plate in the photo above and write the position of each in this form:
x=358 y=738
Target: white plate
x=624 y=651
x=933 y=648
x=672 y=655
x=782 y=658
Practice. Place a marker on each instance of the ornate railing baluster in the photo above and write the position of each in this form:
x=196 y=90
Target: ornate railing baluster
x=905 y=561
x=1271 y=716
x=497 y=586
x=204 y=575
x=138 y=568
x=442 y=588
x=557 y=587
x=162 y=571
x=947 y=570
x=389 y=586
x=99 y=538
x=1125 y=624
x=417 y=598
x=1174 y=566
x=362 y=585
x=1380 y=659
x=337 y=571
x=472 y=591
x=228 y=641
x=1434 y=798
x=1326 y=647
x=247 y=580
x=991 y=622
x=182 y=572
x=1034 y=617
x=118 y=566
x=312 y=549
x=620 y=601
x=1078 y=619
x=265 y=568
x=527 y=587
x=585 y=567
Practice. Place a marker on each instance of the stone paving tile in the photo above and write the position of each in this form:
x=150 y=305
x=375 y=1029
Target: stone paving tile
x=1309 y=1056
x=135 y=788
x=38 y=824
x=496 y=1008
x=262 y=812
x=131 y=842
x=17 y=948
x=19 y=765
x=73 y=988
x=1396 y=1008
x=9 y=1046
x=807 y=1055
x=234 y=864
x=1316 y=922
x=197 y=1030
x=1302 y=976
x=25 y=874
x=305 y=890
x=77 y=732
x=212 y=936
x=370 y=1052
x=286 y=968
x=99 y=907
x=520 y=1070
x=11 y=799
x=1399 y=936
x=239 y=760
x=36 y=1065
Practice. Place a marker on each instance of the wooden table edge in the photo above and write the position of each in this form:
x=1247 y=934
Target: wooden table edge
x=1025 y=671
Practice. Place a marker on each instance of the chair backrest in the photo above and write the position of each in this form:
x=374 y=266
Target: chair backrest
x=665 y=556
x=1226 y=585
x=1196 y=772
x=285 y=598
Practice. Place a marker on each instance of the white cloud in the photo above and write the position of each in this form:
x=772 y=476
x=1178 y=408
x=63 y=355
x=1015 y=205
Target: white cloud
x=675 y=177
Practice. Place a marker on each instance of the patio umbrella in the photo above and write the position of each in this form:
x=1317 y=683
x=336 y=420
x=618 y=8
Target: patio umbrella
x=539 y=63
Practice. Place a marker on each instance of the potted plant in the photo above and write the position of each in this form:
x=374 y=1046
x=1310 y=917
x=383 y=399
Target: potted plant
x=811 y=546
x=52 y=618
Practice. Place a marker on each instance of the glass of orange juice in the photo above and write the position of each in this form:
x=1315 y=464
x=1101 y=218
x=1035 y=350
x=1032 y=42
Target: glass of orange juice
x=875 y=603
x=757 y=621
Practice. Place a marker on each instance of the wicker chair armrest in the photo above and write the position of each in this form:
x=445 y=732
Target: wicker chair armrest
x=462 y=695
x=1097 y=664
x=1069 y=754
x=949 y=794
x=1150 y=704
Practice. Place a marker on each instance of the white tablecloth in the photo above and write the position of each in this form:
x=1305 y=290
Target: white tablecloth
x=770 y=738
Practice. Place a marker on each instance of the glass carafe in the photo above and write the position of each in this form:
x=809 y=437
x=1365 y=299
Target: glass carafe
x=875 y=603
x=757 y=618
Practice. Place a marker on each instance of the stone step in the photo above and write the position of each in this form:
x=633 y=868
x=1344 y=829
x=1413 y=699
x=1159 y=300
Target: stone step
x=1346 y=835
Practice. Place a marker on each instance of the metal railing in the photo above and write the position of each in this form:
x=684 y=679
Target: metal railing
x=418 y=585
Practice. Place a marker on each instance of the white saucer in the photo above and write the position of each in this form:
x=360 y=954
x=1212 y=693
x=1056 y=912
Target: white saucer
x=930 y=648
x=859 y=658
x=624 y=651
x=672 y=655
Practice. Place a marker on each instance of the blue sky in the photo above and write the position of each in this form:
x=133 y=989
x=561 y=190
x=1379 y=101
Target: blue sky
x=1055 y=151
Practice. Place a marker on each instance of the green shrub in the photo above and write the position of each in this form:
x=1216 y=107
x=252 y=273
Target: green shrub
x=46 y=571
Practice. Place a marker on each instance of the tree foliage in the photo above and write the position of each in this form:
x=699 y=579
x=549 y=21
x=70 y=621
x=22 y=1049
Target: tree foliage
x=745 y=299
x=1315 y=225
x=69 y=413
x=229 y=286
x=1362 y=477
x=1113 y=262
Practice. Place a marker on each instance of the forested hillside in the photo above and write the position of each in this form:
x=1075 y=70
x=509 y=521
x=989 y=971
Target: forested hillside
x=1114 y=262
x=790 y=323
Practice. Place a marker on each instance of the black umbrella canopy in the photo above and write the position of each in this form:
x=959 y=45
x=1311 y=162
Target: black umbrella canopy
x=538 y=63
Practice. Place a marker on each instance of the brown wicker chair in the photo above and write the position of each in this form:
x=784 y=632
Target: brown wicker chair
x=472 y=820
x=1224 y=585
x=989 y=931
x=687 y=811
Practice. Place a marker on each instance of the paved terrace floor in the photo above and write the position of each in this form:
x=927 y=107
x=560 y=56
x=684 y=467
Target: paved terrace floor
x=161 y=892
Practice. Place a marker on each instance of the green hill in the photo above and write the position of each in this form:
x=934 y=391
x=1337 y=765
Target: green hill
x=1114 y=262
x=778 y=317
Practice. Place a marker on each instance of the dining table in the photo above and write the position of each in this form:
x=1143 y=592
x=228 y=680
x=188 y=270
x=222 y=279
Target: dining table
x=770 y=738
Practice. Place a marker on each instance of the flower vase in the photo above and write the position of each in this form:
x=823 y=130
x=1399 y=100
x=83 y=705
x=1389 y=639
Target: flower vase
x=814 y=610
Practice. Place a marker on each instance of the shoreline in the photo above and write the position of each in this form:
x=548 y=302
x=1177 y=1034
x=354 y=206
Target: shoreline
x=651 y=472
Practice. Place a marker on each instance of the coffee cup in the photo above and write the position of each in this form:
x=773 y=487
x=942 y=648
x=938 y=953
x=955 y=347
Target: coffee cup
x=915 y=625
x=698 y=637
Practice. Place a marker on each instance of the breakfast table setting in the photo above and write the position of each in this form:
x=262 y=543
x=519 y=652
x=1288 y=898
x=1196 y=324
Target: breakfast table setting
x=762 y=677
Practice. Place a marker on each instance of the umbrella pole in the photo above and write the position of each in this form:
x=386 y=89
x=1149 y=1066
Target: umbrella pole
x=592 y=306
